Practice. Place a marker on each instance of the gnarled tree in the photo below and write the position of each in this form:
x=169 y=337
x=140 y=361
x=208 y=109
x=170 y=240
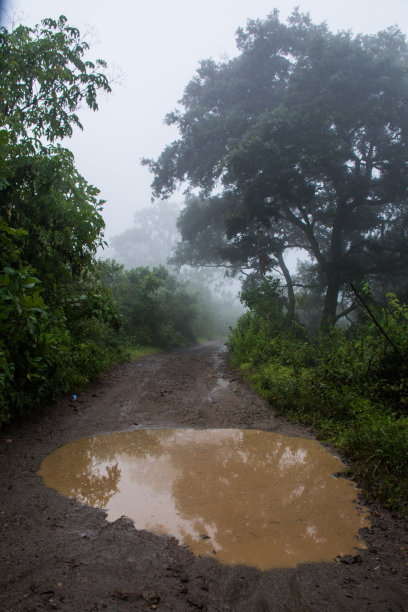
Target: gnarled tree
x=303 y=138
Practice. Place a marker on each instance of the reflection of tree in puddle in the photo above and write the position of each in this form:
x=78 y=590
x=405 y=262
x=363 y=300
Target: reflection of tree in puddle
x=252 y=497
x=95 y=487
x=88 y=469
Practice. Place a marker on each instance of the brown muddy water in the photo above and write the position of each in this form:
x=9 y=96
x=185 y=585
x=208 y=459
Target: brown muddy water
x=244 y=496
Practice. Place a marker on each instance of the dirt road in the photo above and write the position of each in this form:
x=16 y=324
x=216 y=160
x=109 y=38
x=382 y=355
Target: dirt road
x=59 y=555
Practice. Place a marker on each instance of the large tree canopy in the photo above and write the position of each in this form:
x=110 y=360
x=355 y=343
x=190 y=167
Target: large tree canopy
x=299 y=141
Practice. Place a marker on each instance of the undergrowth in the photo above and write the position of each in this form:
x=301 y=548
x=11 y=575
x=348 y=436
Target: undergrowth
x=350 y=385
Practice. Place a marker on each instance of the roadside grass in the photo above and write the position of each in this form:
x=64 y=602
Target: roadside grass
x=136 y=352
x=350 y=386
x=372 y=439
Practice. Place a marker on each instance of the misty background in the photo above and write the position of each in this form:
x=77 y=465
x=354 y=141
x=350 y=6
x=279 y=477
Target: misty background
x=153 y=50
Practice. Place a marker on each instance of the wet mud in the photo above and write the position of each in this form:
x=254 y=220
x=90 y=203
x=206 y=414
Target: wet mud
x=58 y=553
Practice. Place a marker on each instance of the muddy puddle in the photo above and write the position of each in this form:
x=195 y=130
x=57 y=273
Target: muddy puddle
x=242 y=496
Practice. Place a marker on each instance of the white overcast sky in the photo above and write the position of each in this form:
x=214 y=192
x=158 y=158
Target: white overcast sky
x=157 y=45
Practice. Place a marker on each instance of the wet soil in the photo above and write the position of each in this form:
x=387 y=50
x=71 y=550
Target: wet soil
x=57 y=554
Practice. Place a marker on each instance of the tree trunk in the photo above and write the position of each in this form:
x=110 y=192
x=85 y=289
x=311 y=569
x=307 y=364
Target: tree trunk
x=330 y=300
x=290 y=315
x=332 y=270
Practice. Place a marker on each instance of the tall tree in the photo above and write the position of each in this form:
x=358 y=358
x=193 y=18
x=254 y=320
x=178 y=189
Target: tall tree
x=303 y=138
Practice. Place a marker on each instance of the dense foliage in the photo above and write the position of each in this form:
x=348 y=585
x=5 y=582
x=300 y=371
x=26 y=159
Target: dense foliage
x=350 y=384
x=299 y=141
x=54 y=315
x=159 y=309
x=149 y=243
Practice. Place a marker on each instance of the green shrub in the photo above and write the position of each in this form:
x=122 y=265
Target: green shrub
x=350 y=384
x=379 y=443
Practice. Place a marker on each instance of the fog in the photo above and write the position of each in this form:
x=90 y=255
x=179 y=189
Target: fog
x=153 y=50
